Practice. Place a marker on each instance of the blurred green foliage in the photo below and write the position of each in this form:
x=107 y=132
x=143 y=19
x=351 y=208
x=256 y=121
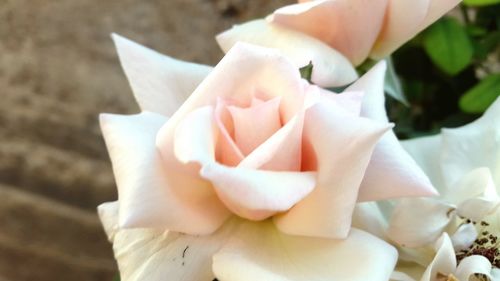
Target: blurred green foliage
x=449 y=73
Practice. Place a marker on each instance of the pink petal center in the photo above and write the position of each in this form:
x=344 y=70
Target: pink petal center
x=253 y=125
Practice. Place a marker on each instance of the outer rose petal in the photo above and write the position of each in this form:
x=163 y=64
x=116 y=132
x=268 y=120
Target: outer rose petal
x=405 y=19
x=402 y=22
x=436 y=10
x=392 y=173
x=411 y=230
x=349 y=26
x=342 y=154
x=160 y=83
x=153 y=255
x=330 y=67
x=474 y=145
x=258 y=251
x=258 y=194
x=148 y=196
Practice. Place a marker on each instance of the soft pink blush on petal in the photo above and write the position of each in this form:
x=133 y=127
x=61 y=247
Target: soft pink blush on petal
x=349 y=26
x=402 y=22
x=258 y=194
x=227 y=152
x=282 y=151
x=264 y=69
x=342 y=153
x=229 y=80
x=406 y=19
x=255 y=124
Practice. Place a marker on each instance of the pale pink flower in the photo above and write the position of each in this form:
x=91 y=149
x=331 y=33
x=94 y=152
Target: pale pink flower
x=252 y=141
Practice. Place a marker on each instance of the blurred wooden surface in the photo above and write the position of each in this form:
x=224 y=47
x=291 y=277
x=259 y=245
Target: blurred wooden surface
x=58 y=70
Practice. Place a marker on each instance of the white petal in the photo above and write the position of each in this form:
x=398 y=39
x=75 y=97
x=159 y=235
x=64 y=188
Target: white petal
x=148 y=196
x=444 y=262
x=473 y=265
x=258 y=251
x=401 y=276
x=367 y=216
x=427 y=151
x=391 y=173
x=464 y=236
x=155 y=254
x=419 y=221
x=471 y=146
x=108 y=214
x=160 y=83
x=330 y=67
x=475 y=194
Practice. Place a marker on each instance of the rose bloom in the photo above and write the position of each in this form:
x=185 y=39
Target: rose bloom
x=254 y=176
x=358 y=29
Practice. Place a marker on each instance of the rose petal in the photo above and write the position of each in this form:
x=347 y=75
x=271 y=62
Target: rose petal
x=282 y=151
x=392 y=173
x=342 y=154
x=330 y=67
x=444 y=262
x=402 y=21
x=437 y=9
x=258 y=251
x=368 y=217
x=160 y=83
x=108 y=214
x=149 y=254
x=195 y=137
x=471 y=146
x=426 y=151
x=473 y=265
x=148 y=196
x=255 y=124
x=464 y=237
x=227 y=152
x=411 y=230
x=475 y=194
x=258 y=194
x=349 y=101
x=349 y=26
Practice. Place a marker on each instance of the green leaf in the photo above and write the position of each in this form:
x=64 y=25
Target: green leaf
x=448 y=45
x=481 y=96
x=481 y=2
x=117 y=278
x=306 y=71
x=392 y=85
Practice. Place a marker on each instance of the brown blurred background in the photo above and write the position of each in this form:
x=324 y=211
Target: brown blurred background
x=58 y=70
